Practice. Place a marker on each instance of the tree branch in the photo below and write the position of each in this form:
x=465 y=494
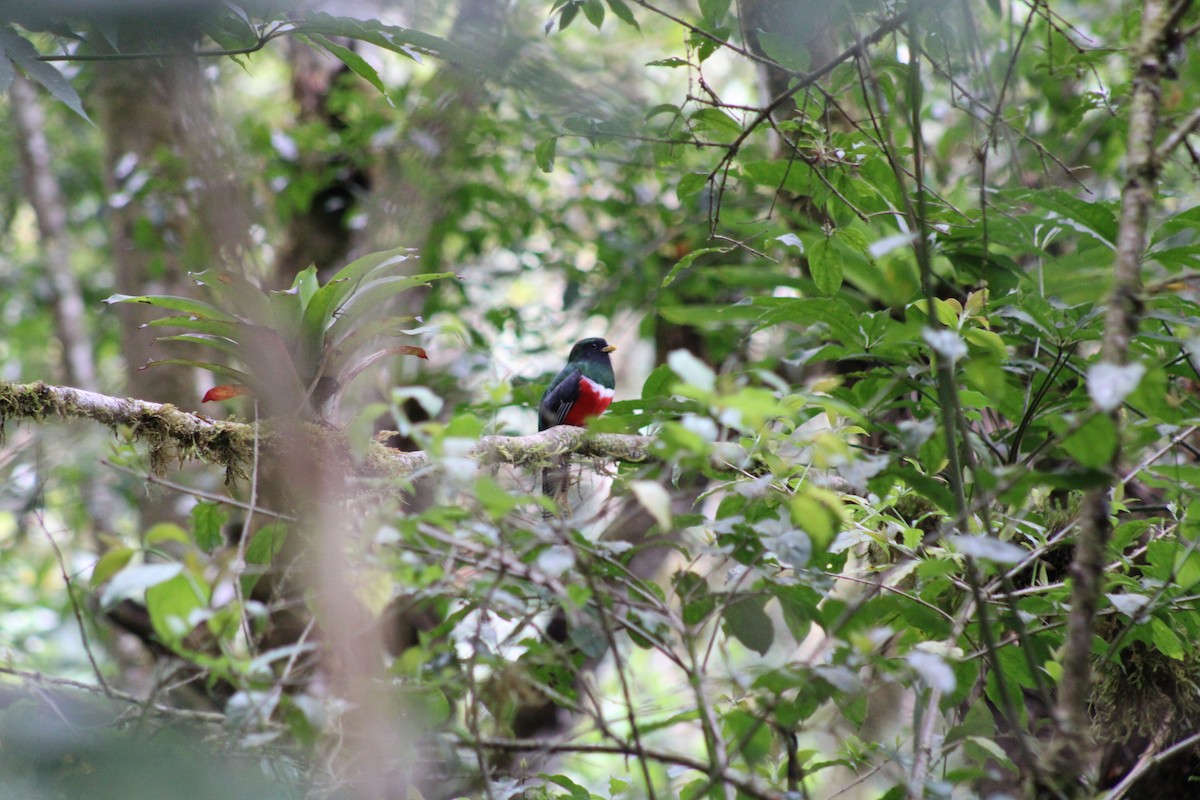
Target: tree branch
x=171 y=433
x=1067 y=759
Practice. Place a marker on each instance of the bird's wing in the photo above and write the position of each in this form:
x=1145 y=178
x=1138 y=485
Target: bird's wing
x=558 y=399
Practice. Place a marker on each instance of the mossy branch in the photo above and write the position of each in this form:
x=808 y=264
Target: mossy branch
x=172 y=433
x=168 y=432
x=534 y=449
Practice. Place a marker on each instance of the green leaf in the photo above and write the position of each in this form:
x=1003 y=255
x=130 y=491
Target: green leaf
x=133 y=580
x=836 y=314
x=569 y=12
x=746 y=621
x=826 y=265
x=171 y=603
x=658 y=382
x=219 y=343
x=577 y=792
x=212 y=327
x=357 y=64
x=714 y=11
x=324 y=302
x=405 y=41
x=287 y=313
x=594 y=11
x=696 y=600
x=196 y=308
x=796 y=177
x=799 y=604
x=112 y=562
x=690 y=184
x=233 y=292
x=716 y=123
x=1096 y=217
x=1094 y=442
x=369 y=299
x=208 y=523
x=1166 y=641
x=494 y=499
x=786 y=51
x=687 y=260
x=19 y=50
x=623 y=13
x=235 y=375
x=1188 y=221
x=165 y=532
x=348 y=346
x=544 y=153
x=852 y=238
x=266 y=543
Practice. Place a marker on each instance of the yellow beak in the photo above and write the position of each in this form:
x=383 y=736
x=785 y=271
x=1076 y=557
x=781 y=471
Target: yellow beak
x=608 y=349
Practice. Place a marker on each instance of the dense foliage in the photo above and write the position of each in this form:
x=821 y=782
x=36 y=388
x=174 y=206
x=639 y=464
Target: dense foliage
x=904 y=301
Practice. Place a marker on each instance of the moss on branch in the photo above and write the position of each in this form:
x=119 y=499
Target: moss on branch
x=175 y=435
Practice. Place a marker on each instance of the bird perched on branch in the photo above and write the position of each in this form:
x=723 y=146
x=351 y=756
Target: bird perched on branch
x=581 y=390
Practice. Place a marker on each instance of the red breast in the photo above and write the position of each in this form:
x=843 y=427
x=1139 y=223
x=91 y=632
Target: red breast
x=592 y=401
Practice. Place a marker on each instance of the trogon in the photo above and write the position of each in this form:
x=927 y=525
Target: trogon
x=581 y=390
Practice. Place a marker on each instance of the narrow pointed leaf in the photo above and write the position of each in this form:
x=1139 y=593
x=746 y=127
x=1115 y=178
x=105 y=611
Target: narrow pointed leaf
x=214 y=327
x=217 y=369
x=234 y=292
x=354 y=61
x=215 y=342
x=400 y=350
x=342 y=351
x=287 y=313
x=372 y=296
x=327 y=301
x=306 y=284
x=405 y=41
x=25 y=56
x=197 y=308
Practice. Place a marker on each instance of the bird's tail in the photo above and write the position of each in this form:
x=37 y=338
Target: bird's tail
x=555 y=479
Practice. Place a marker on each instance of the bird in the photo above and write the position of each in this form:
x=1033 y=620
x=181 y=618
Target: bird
x=583 y=389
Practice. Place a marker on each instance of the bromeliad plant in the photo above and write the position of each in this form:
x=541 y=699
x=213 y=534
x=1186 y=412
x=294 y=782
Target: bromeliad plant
x=298 y=348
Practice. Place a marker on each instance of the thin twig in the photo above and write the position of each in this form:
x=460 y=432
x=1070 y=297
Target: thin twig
x=83 y=634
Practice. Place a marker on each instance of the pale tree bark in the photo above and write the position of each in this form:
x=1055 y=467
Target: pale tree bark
x=42 y=192
x=176 y=203
x=70 y=322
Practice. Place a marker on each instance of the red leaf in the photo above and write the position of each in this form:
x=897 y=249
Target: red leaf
x=409 y=350
x=225 y=391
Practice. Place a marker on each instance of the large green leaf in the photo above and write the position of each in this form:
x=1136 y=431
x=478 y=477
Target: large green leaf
x=406 y=41
x=326 y=301
x=357 y=64
x=17 y=49
x=371 y=297
x=197 y=308
x=745 y=620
